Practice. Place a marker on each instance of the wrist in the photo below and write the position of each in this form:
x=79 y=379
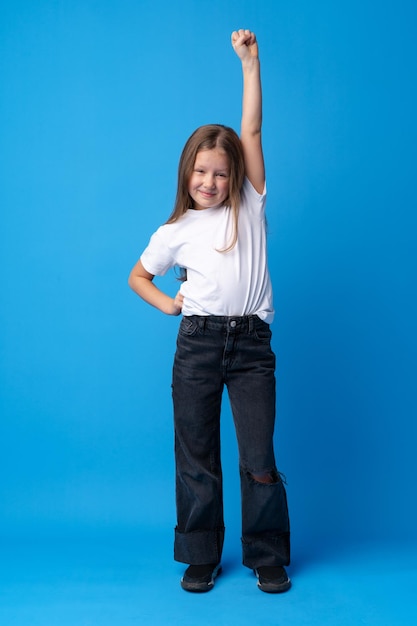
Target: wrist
x=251 y=63
x=171 y=307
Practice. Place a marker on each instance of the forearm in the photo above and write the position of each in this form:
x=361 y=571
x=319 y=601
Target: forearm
x=150 y=293
x=252 y=97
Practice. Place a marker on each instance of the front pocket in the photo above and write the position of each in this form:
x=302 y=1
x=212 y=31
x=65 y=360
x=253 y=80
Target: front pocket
x=188 y=326
x=262 y=331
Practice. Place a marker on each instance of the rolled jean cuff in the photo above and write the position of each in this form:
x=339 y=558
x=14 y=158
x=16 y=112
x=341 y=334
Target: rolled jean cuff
x=199 y=547
x=266 y=549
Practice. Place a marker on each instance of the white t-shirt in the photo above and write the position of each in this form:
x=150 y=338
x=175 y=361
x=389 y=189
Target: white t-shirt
x=218 y=283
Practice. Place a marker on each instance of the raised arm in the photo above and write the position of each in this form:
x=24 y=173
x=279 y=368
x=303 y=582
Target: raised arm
x=245 y=45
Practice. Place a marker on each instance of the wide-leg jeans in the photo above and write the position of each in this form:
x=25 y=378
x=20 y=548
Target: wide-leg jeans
x=213 y=352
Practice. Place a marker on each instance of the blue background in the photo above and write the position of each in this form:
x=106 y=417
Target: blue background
x=96 y=101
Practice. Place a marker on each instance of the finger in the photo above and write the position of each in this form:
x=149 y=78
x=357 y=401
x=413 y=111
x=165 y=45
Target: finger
x=250 y=38
x=238 y=36
x=247 y=37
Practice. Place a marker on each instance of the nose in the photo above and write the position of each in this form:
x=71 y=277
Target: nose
x=209 y=181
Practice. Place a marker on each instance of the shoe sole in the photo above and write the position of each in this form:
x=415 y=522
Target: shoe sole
x=274 y=587
x=201 y=587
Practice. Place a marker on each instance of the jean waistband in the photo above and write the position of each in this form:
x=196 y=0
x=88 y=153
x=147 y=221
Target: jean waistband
x=238 y=322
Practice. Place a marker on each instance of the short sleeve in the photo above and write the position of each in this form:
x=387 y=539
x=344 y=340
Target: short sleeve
x=253 y=200
x=157 y=258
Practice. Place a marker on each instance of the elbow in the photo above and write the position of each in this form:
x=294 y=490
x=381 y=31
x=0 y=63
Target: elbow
x=131 y=280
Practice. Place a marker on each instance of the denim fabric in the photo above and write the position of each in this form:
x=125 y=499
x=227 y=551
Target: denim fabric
x=212 y=352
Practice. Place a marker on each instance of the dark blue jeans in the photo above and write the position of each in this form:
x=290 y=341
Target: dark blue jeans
x=212 y=352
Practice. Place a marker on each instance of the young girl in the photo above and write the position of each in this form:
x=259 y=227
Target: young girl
x=216 y=233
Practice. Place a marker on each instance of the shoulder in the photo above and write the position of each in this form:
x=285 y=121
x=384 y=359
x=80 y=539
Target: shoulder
x=169 y=229
x=174 y=233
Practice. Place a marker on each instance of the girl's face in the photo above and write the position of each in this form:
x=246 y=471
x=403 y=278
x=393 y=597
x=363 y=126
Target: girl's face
x=209 y=181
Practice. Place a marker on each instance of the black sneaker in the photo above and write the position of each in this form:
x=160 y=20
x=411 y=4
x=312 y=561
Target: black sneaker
x=200 y=577
x=272 y=579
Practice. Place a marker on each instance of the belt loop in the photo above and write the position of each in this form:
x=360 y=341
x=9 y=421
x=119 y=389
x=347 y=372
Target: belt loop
x=202 y=322
x=251 y=323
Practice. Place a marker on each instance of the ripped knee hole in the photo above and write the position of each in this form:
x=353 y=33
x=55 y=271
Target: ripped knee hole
x=265 y=478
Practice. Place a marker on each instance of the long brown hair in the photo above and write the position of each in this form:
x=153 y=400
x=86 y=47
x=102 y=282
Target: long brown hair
x=207 y=138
